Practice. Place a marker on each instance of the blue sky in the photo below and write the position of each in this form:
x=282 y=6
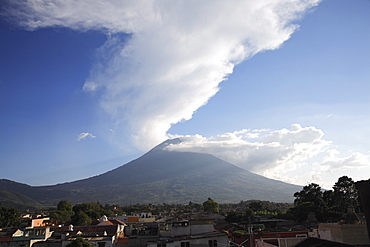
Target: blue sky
x=86 y=89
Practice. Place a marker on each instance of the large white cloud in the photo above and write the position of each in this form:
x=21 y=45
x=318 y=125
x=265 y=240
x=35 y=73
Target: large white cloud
x=299 y=155
x=257 y=150
x=176 y=55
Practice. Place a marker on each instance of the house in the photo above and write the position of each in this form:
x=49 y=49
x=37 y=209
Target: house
x=179 y=233
x=186 y=233
x=98 y=235
x=145 y=217
x=25 y=237
x=350 y=230
x=8 y=234
x=265 y=239
x=137 y=217
x=104 y=221
x=210 y=239
x=192 y=227
x=138 y=234
x=127 y=218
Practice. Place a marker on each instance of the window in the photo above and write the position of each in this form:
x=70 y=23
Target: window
x=185 y=244
x=212 y=243
x=29 y=233
x=301 y=235
x=40 y=232
x=179 y=224
x=101 y=244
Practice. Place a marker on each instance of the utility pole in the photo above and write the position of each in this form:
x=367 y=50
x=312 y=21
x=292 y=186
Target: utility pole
x=250 y=231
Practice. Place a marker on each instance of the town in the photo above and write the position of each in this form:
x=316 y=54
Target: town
x=315 y=219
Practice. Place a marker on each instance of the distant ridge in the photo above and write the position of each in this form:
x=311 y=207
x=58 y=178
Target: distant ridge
x=17 y=200
x=162 y=176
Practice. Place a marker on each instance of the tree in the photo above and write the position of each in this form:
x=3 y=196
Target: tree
x=331 y=214
x=309 y=193
x=92 y=209
x=80 y=242
x=232 y=217
x=345 y=194
x=63 y=213
x=309 y=199
x=328 y=198
x=9 y=217
x=211 y=206
x=248 y=217
x=81 y=219
x=64 y=206
x=193 y=206
x=256 y=206
x=329 y=205
x=61 y=216
x=301 y=211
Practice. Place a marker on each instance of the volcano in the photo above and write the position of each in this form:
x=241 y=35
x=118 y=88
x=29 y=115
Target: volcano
x=162 y=176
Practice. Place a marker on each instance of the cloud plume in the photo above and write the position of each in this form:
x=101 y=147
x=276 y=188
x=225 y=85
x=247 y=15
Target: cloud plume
x=165 y=59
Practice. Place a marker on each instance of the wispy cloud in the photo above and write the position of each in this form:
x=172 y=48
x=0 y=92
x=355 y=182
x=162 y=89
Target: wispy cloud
x=85 y=135
x=176 y=53
x=277 y=153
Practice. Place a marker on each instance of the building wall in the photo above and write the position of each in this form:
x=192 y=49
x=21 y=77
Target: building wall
x=364 y=191
x=15 y=243
x=139 y=242
x=127 y=219
x=48 y=244
x=289 y=242
x=259 y=243
x=180 y=230
x=39 y=222
x=222 y=241
x=330 y=231
x=198 y=229
x=355 y=234
x=344 y=233
x=147 y=220
x=107 y=243
x=191 y=228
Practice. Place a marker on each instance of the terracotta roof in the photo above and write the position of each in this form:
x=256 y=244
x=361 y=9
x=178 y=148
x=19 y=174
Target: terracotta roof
x=107 y=222
x=320 y=243
x=117 y=222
